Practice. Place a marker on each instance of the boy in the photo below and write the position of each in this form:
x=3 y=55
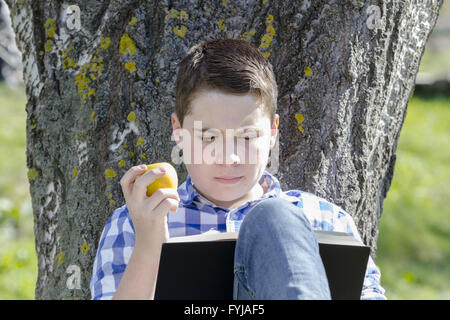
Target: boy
x=224 y=85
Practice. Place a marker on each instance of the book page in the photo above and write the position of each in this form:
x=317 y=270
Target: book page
x=212 y=235
x=333 y=237
x=328 y=237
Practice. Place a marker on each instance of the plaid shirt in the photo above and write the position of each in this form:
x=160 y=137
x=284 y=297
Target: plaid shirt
x=196 y=215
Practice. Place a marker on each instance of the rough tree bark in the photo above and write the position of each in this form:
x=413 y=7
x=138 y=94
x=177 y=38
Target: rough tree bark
x=101 y=89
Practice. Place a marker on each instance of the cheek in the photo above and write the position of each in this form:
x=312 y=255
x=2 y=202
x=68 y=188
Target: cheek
x=200 y=176
x=256 y=152
x=264 y=148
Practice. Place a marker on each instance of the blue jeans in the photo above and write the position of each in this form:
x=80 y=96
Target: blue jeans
x=277 y=255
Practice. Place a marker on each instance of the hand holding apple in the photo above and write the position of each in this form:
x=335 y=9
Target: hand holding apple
x=169 y=180
x=149 y=194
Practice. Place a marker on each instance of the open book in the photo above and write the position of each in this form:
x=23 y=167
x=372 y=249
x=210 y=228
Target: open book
x=323 y=237
x=201 y=266
x=212 y=235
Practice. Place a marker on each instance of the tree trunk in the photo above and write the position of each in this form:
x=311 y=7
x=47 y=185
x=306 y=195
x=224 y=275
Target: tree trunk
x=100 y=85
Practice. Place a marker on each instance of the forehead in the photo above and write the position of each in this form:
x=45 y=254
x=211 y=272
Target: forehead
x=219 y=110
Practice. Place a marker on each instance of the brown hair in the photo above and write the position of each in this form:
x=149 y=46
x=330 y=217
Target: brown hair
x=229 y=65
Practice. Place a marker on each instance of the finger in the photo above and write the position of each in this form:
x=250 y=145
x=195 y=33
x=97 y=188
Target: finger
x=129 y=177
x=160 y=195
x=141 y=183
x=166 y=205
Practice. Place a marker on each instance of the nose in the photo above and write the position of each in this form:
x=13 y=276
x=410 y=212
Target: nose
x=231 y=157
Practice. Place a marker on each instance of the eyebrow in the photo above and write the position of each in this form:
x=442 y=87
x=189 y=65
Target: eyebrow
x=239 y=130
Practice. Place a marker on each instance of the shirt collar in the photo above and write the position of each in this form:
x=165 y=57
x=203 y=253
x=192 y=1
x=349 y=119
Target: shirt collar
x=189 y=194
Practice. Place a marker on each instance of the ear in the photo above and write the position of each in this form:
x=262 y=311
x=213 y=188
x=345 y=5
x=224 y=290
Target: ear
x=274 y=131
x=176 y=129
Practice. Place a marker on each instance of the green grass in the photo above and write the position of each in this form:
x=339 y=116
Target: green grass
x=13 y=179
x=437 y=64
x=18 y=261
x=413 y=244
x=18 y=269
x=413 y=248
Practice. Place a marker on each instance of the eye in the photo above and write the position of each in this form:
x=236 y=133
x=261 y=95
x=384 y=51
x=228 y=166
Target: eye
x=250 y=137
x=207 y=138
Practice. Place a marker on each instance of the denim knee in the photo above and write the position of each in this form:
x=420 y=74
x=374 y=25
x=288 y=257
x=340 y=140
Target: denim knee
x=276 y=212
x=276 y=236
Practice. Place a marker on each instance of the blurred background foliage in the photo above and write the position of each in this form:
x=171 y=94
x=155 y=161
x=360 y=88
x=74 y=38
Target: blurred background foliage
x=413 y=243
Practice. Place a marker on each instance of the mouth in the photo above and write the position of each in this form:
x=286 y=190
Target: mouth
x=228 y=180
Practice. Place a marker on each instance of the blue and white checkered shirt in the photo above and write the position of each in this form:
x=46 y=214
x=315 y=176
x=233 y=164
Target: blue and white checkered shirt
x=196 y=215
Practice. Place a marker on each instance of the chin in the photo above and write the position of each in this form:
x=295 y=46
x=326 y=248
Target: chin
x=224 y=194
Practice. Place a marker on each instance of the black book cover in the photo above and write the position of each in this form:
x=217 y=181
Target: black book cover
x=204 y=269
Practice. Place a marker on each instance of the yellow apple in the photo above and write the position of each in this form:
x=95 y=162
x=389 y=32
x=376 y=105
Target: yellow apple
x=168 y=180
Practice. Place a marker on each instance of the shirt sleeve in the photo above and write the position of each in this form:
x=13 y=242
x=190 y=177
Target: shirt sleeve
x=114 y=251
x=372 y=290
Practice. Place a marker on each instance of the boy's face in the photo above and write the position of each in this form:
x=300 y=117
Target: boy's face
x=237 y=144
